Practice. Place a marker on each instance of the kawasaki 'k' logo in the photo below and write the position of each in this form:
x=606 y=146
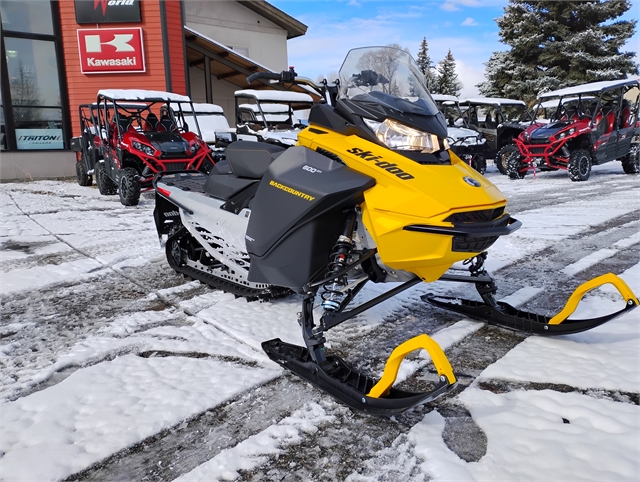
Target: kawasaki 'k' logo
x=377 y=160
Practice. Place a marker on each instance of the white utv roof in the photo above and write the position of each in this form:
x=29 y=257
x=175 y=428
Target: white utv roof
x=274 y=95
x=444 y=98
x=146 y=95
x=492 y=101
x=202 y=108
x=589 y=88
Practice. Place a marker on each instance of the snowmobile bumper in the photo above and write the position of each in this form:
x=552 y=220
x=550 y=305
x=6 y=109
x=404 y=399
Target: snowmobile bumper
x=503 y=314
x=358 y=391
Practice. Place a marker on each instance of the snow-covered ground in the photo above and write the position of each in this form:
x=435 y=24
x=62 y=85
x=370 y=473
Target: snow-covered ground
x=112 y=367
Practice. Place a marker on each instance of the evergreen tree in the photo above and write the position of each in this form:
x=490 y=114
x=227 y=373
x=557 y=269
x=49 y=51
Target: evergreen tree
x=448 y=82
x=559 y=44
x=426 y=65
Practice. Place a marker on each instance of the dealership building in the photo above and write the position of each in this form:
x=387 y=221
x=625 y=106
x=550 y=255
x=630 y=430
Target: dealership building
x=56 y=55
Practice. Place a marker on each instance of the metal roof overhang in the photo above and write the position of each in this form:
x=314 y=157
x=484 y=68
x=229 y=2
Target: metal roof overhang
x=228 y=65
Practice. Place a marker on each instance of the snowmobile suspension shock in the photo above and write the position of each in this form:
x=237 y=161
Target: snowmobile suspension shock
x=332 y=296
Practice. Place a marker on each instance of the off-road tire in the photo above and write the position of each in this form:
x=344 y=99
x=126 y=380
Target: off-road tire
x=579 y=165
x=502 y=156
x=129 y=187
x=84 y=179
x=479 y=163
x=513 y=166
x=105 y=185
x=631 y=162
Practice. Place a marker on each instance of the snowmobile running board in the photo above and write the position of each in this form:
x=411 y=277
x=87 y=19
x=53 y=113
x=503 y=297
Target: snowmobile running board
x=503 y=314
x=358 y=391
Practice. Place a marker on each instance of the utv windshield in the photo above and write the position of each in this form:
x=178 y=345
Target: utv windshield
x=384 y=69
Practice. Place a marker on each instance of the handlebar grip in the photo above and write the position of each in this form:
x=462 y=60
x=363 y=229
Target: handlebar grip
x=263 y=75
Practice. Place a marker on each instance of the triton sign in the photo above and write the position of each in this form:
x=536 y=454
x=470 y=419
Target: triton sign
x=111 y=50
x=107 y=11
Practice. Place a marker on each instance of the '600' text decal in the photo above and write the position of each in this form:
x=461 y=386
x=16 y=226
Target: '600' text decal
x=377 y=160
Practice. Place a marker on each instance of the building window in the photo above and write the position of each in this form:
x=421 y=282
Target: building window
x=31 y=16
x=33 y=110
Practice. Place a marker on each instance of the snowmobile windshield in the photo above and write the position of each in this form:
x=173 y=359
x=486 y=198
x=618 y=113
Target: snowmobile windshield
x=388 y=74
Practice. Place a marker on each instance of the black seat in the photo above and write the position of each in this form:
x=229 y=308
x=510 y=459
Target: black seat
x=151 y=123
x=124 y=122
x=251 y=159
x=166 y=123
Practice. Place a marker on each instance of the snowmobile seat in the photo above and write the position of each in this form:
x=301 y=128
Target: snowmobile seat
x=251 y=159
x=225 y=186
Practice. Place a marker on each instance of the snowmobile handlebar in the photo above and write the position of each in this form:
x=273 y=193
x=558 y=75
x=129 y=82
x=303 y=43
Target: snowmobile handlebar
x=284 y=76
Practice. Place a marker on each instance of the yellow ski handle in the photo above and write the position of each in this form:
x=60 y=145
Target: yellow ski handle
x=392 y=366
x=576 y=296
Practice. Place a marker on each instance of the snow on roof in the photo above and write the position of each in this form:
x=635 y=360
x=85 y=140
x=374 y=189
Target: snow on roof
x=589 y=88
x=148 y=95
x=492 y=101
x=201 y=108
x=274 y=95
x=269 y=108
x=553 y=103
x=444 y=98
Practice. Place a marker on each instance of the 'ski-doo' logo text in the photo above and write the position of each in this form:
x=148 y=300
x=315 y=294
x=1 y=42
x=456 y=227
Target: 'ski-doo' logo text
x=290 y=190
x=377 y=160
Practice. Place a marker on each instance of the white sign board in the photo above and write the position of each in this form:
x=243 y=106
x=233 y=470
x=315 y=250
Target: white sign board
x=39 y=139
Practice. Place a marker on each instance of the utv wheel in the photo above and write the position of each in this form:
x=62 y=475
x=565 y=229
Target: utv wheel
x=479 y=163
x=579 y=165
x=129 y=187
x=631 y=162
x=84 y=179
x=105 y=185
x=502 y=157
x=515 y=167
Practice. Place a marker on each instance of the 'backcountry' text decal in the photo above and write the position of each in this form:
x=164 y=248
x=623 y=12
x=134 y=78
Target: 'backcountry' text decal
x=290 y=190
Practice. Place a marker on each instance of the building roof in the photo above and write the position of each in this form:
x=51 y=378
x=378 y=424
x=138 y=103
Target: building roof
x=227 y=64
x=293 y=27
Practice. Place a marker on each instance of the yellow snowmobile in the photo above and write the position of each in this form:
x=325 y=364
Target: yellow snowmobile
x=371 y=193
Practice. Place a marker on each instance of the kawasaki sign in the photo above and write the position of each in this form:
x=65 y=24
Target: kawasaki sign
x=107 y=11
x=111 y=50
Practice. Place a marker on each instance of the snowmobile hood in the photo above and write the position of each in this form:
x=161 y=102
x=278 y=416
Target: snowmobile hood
x=167 y=142
x=379 y=106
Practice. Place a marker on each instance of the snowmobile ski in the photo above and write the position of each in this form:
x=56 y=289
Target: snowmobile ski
x=503 y=314
x=358 y=391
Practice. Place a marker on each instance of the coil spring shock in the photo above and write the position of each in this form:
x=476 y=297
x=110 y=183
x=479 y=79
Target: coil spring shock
x=332 y=295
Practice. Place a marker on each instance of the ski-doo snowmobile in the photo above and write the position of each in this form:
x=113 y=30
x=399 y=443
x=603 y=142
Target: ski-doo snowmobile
x=371 y=193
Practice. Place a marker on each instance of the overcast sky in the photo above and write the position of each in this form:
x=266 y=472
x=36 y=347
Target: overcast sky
x=467 y=27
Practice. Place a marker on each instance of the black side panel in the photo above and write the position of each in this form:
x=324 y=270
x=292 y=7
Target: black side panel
x=297 y=216
x=166 y=215
x=325 y=116
x=225 y=186
x=251 y=159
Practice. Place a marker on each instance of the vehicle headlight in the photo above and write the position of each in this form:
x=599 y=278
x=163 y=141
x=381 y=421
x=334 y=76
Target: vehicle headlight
x=193 y=148
x=148 y=150
x=572 y=130
x=398 y=136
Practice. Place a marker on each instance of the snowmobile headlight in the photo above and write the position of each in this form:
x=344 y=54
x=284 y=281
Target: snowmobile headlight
x=148 y=150
x=398 y=136
x=194 y=148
